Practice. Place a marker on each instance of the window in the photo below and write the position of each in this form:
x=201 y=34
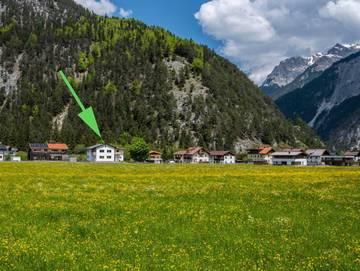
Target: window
x=108 y=151
x=108 y=157
x=102 y=157
x=102 y=151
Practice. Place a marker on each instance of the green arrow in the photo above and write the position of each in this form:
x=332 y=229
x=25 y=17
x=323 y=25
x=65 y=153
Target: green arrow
x=87 y=115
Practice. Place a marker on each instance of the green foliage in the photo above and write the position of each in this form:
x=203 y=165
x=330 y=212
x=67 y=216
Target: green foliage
x=139 y=149
x=110 y=88
x=129 y=84
x=198 y=65
x=23 y=155
x=80 y=149
x=85 y=60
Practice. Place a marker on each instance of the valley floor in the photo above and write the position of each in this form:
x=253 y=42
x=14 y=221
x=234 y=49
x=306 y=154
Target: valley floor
x=56 y=216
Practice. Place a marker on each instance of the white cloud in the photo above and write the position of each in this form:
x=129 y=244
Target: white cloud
x=101 y=7
x=125 y=13
x=258 y=34
x=346 y=12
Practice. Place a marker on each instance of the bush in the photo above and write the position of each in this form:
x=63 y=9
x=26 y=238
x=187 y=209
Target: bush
x=23 y=155
x=139 y=150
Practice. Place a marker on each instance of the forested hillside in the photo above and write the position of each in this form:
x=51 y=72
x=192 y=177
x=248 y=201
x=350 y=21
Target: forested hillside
x=141 y=81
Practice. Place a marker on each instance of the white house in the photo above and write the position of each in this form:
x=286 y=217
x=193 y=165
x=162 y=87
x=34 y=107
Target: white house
x=6 y=151
x=289 y=158
x=155 y=157
x=104 y=153
x=260 y=155
x=355 y=154
x=119 y=155
x=316 y=156
x=192 y=155
x=222 y=157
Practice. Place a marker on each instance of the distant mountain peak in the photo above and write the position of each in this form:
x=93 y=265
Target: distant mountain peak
x=295 y=72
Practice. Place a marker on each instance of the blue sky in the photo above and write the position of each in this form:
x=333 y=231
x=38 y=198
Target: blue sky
x=176 y=16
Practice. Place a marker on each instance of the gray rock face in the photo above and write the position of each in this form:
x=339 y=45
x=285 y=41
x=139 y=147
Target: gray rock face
x=294 y=73
x=284 y=74
x=330 y=103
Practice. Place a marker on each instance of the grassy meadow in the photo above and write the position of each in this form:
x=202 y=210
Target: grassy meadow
x=58 y=216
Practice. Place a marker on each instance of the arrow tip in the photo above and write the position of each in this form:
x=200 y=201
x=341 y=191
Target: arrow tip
x=88 y=117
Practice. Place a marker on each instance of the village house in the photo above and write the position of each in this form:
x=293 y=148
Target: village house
x=58 y=152
x=155 y=157
x=37 y=151
x=355 y=154
x=338 y=160
x=104 y=153
x=119 y=154
x=7 y=151
x=260 y=155
x=316 y=156
x=2 y=152
x=222 y=157
x=289 y=158
x=192 y=155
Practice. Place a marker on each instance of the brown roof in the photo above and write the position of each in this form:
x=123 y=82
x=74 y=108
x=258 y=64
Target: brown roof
x=154 y=153
x=191 y=151
x=352 y=153
x=265 y=151
x=58 y=146
x=317 y=152
x=220 y=153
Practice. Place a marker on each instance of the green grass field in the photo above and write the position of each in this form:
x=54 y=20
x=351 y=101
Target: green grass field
x=173 y=217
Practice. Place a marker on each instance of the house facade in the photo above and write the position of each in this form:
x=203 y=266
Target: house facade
x=119 y=155
x=7 y=151
x=155 y=157
x=337 y=160
x=260 y=155
x=192 y=155
x=355 y=154
x=37 y=151
x=316 y=156
x=58 y=152
x=289 y=158
x=104 y=153
x=222 y=157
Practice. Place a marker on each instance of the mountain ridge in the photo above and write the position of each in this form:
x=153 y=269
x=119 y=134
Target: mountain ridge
x=306 y=69
x=330 y=103
x=141 y=81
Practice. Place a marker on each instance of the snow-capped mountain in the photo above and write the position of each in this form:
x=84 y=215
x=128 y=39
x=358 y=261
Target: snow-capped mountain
x=295 y=72
x=330 y=103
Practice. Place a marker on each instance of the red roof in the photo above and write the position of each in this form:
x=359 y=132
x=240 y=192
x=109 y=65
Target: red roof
x=265 y=151
x=58 y=146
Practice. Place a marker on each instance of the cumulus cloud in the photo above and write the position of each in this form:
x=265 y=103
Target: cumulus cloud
x=125 y=13
x=101 y=7
x=346 y=12
x=258 y=34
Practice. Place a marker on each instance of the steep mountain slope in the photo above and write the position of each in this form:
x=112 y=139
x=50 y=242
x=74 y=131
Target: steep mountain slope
x=330 y=103
x=284 y=74
x=141 y=81
x=297 y=71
